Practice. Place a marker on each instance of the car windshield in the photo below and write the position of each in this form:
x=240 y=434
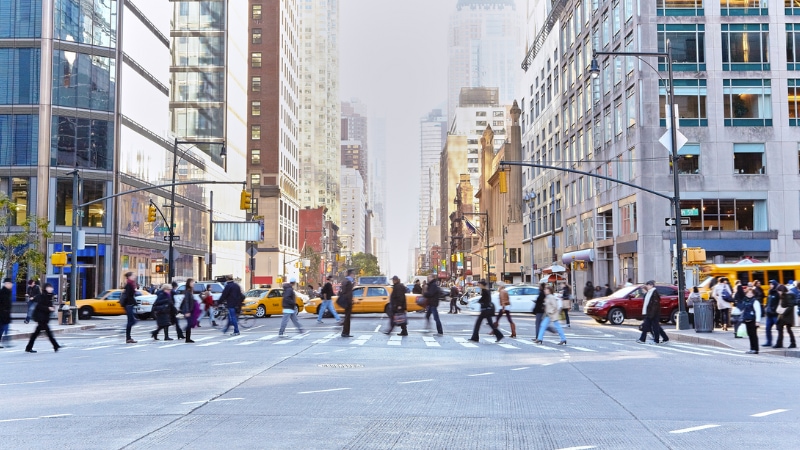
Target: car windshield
x=255 y=293
x=104 y=294
x=625 y=291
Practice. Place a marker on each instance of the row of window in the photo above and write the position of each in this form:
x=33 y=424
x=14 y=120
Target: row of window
x=727 y=7
x=20 y=19
x=91 y=22
x=19 y=76
x=18 y=189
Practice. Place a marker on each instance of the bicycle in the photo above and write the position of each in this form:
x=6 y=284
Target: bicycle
x=221 y=317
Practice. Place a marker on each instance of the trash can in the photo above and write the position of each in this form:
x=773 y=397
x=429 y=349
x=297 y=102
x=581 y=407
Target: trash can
x=703 y=317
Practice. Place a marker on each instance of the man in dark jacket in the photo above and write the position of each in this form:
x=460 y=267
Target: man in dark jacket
x=289 y=308
x=129 y=303
x=345 y=301
x=454 y=294
x=432 y=294
x=232 y=297
x=487 y=312
x=651 y=310
x=31 y=292
x=397 y=305
x=326 y=294
x=417 y=289
x=773 y=301
x=5 y=308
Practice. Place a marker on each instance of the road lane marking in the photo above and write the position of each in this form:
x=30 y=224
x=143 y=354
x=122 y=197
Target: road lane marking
x=233 y=338
x=54 y=416
x=361 y=339
x=464 y=342
x=18 y=420
x=209 y=344
x=583 y=349
x=582 y=447
x=98 y=348
x=415 y=381
x=769 y=413
x=228 y=363
x=25 y=382
x=301 y=336
x=268 y=337
x=194 y=403
x=680 y=351
x=430 y=342
x=507 y=346
x=395 y=340
x=283 y=342
x=148 y=371
x=324 y=390
x=227 y=399
x=326 y=338
x=378 y=328
x=171 y=345
x=247 y=343
x=689 y=430
x=481 y=374
x=205 y=338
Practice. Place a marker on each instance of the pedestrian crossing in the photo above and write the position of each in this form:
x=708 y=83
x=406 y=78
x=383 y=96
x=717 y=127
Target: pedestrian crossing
x=578 y=343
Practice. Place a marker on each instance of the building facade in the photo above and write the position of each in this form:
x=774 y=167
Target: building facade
x=433 y=134
x=273 y=118
x=352 y=232
x=355 y=138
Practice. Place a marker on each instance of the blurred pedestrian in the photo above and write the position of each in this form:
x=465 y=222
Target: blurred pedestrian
x=188 y=306
x=129 y=303
x=736 y=316
x=723 y=295
x=588 y=291
x=786 y=316
x=326 y=296
x=551 y=315
x=432 y=294
x=31 y=292
x=505 y=303
x=693 y=297
x=417 y=289
x=566 y=301
x=454 y=295
x=173 y=312
x=232 y=297
x=398 y=308
x=289 y=304
x=162 y=308
x=41 y=315
x=208 y=303
x=771 y=310
x=608 y=291
x=750 y=317
x=487 y=312
x=5 y=310
x=538 y=309
x=345 y=301
x=651 y=310
x=629 y=282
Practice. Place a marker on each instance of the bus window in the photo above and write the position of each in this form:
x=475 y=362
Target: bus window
x=787 y=275
x=758 y=275
x=743 y=277
x=773 y=275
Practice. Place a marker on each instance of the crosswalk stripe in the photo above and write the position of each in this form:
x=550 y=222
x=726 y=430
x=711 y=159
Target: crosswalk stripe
x=430 y=342
x=300 y=336
x=283 y=342
x=268 y=337
x=171 y=345
x=98 y=348
x=204 y=338
x=464 y=342
x=395 y=340
x=361 y=339
x=247 y=343
x=507 y=346
x=209 y=344
x=233 y=338
x=583 y=349
x=326 y=338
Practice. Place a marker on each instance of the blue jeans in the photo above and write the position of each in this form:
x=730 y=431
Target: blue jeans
x=327 y=305
x=4 y=332
x=435 y=311
x=771 y=321
x=545 y=323
x=31 y=307
x=131 y=321
x=232 y=320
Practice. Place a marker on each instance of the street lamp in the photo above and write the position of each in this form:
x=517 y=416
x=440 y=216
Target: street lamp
x=529 y=198
x=683 y=317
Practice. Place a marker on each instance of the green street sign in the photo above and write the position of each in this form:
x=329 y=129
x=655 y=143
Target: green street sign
x=162 y=228
x=690 y=212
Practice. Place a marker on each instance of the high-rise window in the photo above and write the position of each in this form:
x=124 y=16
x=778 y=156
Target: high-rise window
x=679 y=7
x=19 y=139
x=256 y=36
x=688 y=159
x=690 y=97
x=747 y=102
x=794 y=102
x=19 y=74
x=255 y=132
x=255 y=59
x=82 y=143
x=749 y=158
x=21 y=19
x=687 y=43
x=627 y=216
x=255 y=108
x=792 y=7
x=743 y=8
x=726 y=214
x=793 y=44
x=18 y=191
x=255 y=156
x=255 y=84
x=256 y=12
x=745 y=46
x=93 y=215
x=255 y=180
x=630 y=105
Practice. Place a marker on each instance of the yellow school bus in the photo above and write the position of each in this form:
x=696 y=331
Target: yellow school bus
x=747 y=271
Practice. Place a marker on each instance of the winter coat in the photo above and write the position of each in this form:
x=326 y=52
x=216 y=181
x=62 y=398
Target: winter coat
x=129 y=293
x=652 y=305
x=289 y=297
x=486 y=300
x=432 y=293
x=345 y=299
x=538 y=307
x=588 y=291
x=5 y=306
x=503 y=296
x=44 y=301
x=327 y=291
x=232 y=295
x=693 y=297
x=551 y=308
x=162 y=308
x=397 y=301
x=787 y=301
x=747 y=303
x=717 y=294
x=417 y=289
x=773 y=301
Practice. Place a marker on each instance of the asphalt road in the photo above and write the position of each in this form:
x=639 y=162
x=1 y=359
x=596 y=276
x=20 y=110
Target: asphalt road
x=321 y=391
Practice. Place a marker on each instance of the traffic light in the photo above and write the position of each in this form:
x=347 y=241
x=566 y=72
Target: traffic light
x=151 y=213
x=502 y=182
x=245 y=200
x=58 y=259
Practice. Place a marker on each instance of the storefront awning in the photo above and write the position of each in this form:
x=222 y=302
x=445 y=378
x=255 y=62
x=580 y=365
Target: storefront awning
x=580 y=255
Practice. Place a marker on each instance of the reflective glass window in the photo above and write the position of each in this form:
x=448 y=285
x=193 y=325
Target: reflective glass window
x=198 y=122
x=198 y=87
x=747 y=102
x=19 y=76
x=20 y=19
x=92 y=22
x=745 y=46
x=198 y=50
x=19 y=137
x=687 y=43
x=82 y=143
x=93 y=214
x=199 y=15
x=18 y=191
x=84 y=81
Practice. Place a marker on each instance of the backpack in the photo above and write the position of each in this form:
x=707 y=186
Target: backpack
x=123 y=299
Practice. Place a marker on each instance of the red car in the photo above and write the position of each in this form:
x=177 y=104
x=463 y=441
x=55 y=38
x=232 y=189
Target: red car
x=626 y=303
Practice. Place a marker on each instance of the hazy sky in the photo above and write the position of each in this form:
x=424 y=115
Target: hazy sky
x=393 y=57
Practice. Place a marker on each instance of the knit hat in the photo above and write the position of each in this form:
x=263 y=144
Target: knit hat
x=7 y=280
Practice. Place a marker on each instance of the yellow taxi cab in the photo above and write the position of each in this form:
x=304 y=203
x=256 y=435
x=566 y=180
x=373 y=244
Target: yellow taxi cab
x=266 y=302
x=368 y=299
x=107 y=304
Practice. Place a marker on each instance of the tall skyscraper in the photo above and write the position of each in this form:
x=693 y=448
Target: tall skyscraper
x=433 y=134
x=377 y=188
x=320 y=128
x=485 y=40
x=352 y=232
x=355 y=138
x=274 y=129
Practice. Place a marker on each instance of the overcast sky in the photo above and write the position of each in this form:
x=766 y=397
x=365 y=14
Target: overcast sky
x=393 y=57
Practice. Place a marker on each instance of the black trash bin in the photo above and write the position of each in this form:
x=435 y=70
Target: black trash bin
x=703 y=317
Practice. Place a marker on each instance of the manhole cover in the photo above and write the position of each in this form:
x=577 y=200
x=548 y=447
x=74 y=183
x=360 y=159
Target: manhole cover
x=341 y=366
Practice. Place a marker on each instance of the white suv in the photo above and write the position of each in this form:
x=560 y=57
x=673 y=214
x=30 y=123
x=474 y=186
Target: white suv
x=199 y=287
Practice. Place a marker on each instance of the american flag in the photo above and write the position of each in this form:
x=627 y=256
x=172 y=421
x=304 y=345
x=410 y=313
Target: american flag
x=470 y=227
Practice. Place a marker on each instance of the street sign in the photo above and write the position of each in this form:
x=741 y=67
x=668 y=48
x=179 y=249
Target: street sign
x=670 y=222
x=174 y=238
x=162 y=228
x=690 y=212
x=252 y=251
x=666 y=140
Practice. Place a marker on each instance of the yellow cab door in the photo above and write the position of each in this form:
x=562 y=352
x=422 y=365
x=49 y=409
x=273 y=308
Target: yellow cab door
x=376 y=299
x=358 y=298
x=110 y=304
x=274 y=302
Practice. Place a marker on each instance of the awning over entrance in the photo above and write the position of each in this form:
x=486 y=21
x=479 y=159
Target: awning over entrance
x=580 y=255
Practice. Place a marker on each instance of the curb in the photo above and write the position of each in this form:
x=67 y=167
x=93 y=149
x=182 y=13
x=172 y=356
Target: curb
x=680 y=337
x=73 y=329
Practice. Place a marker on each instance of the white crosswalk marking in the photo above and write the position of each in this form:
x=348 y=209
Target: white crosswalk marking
x=268 y=337
x=209 y=344
x=98 y=348
x=300 y=336
x=464 y=343
x=395 y=340
x=233 y=338
x=326 y=338
x=171 y=345
x=361 y=339
x=583 y=349
x=283 y=341
x=247 y=343
x=507 y=346
x=430 y=342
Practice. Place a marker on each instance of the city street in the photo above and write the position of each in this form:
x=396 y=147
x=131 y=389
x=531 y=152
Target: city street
x=320 y=391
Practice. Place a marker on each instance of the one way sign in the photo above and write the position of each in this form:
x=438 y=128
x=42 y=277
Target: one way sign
x=670 y=222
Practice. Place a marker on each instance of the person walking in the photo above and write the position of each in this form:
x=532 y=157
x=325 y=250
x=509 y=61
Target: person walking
x=750 y=316
x=326 y=295
x=398 y=308
x=538 y=309
x=173 y=312
x=188 y=306
x=208 y=305
x=289 y=308
x=786 y=316
x=566 y=301
x=162 y=308
x=417 y=289
x=41 y=315
x=723 y=295
x=487 y=312
x=31 y=292
x=232 y=297
x=693 y=297
x=454 y=295
x=588 y=291
x=738 y=296
x=608 y=291
x=771 y=310
x=129 y=303
x=345 y=301
x=505 y=303
x=432 y=293
x=651 y=310
x=551 y=315
x=5 y=310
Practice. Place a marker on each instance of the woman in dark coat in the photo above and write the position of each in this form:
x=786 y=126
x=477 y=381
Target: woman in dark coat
x=487 y=312
x=538 y=308
x=41 y=315
x=163 y=311
x=786 y=318
x=188 y=307
x=5 y=308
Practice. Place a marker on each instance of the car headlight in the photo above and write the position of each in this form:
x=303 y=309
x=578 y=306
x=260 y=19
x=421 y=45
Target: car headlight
x=145 y=303
x=599 y=304
x=250 y=303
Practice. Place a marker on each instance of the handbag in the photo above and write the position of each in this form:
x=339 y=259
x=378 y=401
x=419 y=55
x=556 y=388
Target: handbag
x=781 y=310
x=399 y=318
x=422 y=301
x=741 y=331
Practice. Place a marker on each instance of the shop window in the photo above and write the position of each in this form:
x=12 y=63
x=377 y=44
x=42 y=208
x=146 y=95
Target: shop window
x=725 y=214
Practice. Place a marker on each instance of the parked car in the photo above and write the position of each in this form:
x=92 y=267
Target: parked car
x=521 y=297
x=107 y=304
x=367 y=299
x=265 y=302
x=199 y=287
x=626 y=303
